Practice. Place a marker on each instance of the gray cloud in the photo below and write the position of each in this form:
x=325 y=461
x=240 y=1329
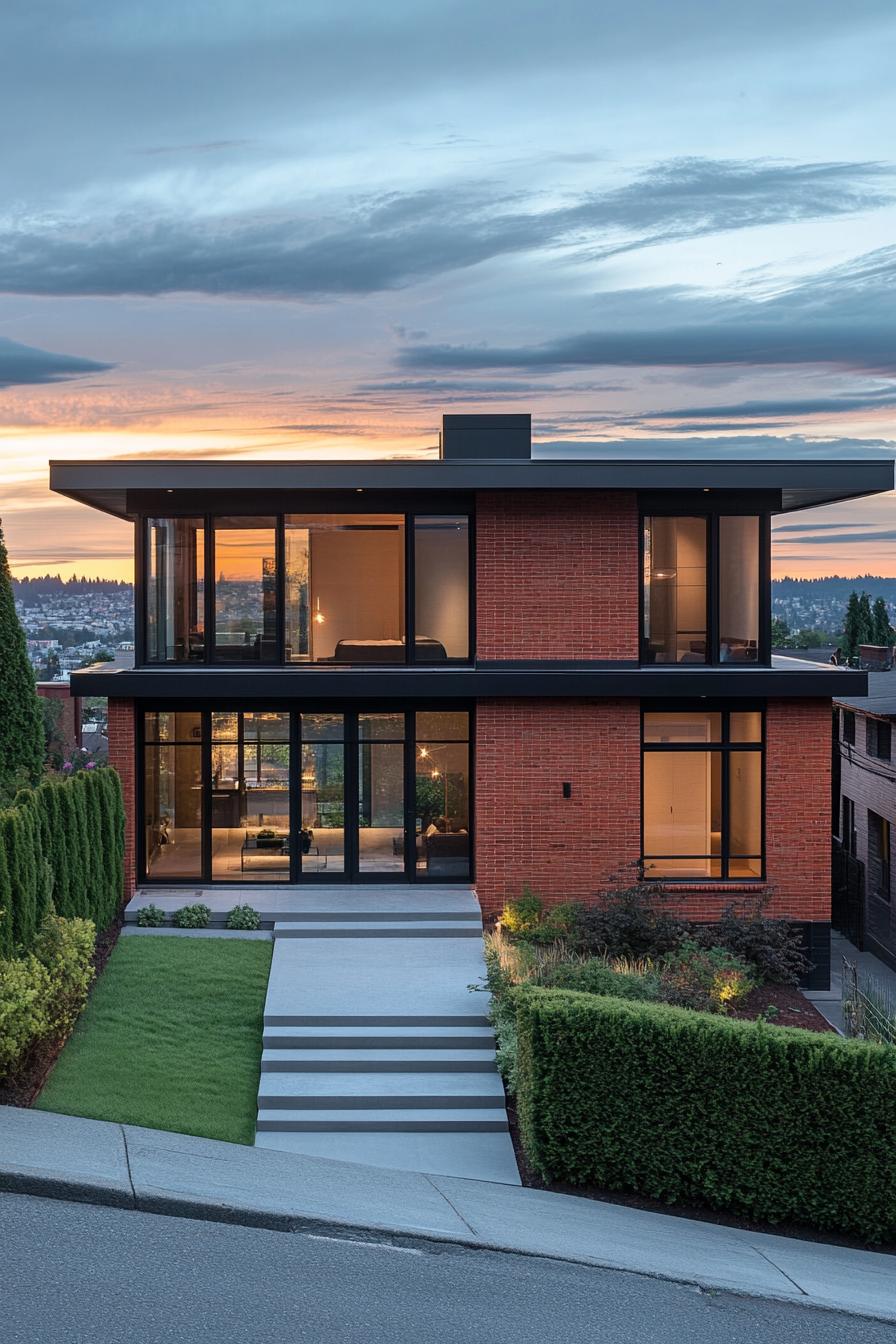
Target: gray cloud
x=393 y=241
x=842 y=317
x=25 y=364
x=875 y=399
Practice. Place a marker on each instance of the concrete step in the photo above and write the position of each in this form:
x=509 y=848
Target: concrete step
x=364 y=1037
x=383 y=1061
x=372 y=1090
x=368 y=914
x=360 y=1021
x=419 y=928
x=470 y=1120
x=478 y=1156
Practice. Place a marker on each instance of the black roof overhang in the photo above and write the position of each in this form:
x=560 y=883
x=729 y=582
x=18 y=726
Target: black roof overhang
x=482 y=682
x=126 y=489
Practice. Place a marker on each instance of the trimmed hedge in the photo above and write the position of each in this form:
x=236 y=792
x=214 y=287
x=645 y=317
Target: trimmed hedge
x=773 y=1123
x=61 y=843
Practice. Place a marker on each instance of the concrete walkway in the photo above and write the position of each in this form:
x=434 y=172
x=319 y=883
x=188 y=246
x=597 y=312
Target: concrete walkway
x=375 y=1050
x=830 y=1002
x=93 y=1161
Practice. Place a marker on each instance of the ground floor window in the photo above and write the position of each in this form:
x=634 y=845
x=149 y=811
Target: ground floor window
x=249 y=795
x=702 y=789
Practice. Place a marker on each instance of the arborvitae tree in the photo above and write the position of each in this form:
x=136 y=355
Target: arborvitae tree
x=6 y=899
x=881 y=630
x=21 y=720
x=856 y=624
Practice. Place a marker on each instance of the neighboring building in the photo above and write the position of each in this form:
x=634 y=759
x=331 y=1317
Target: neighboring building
x=67 y=734
x=865 y=805
x=486 y=668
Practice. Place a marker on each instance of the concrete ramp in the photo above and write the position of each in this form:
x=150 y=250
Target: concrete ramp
x=375 y=1049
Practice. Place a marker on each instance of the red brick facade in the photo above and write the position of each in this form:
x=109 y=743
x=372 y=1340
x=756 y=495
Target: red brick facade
x=576 y=848
x=557 y=576
x=122 y=755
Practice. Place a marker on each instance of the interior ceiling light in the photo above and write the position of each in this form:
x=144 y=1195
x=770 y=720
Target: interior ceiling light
x=319 y=617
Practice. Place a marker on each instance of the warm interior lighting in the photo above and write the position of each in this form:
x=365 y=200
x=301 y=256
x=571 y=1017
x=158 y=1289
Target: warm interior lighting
x=319 y=617
x=665 y=573
x=424 y=751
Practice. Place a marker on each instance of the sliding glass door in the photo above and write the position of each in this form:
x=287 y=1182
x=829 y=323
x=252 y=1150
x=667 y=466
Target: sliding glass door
x=246 y=796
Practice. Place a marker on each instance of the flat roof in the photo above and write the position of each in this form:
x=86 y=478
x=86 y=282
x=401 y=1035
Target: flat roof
x=116 y=486
x=881 y=697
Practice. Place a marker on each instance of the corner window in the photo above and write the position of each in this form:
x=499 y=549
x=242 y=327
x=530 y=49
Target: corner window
x=441 y=588
x=702 y=782
x=703 y=589
x=172 y=795
x=175 y=590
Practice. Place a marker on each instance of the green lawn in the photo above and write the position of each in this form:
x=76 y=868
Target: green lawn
x=171 y=1038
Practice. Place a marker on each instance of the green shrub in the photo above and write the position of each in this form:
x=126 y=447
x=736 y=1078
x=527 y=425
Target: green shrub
x=192 y=916
x=24 y=1002
x=64 y=947
x=243 y=917
x=772 y=946
x=151 y=917
x=709 y=979
x=771 y=1123
x=633 y=922
x=522 y=915
x=596 y=976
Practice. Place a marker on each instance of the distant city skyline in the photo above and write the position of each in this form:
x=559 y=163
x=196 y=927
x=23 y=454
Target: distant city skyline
x=273 y=230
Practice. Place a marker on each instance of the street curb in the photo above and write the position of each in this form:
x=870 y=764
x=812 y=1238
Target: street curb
x=172 y=1175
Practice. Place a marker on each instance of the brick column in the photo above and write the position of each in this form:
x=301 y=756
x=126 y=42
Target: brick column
x=123 y=758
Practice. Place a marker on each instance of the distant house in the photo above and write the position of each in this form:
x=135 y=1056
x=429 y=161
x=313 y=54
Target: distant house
x=865 y=804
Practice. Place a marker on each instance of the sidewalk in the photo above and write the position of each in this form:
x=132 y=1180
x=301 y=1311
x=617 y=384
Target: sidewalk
x=61 y=1157
x=829 y=1002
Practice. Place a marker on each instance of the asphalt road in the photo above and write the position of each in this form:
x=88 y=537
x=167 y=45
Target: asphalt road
x=74 y=1273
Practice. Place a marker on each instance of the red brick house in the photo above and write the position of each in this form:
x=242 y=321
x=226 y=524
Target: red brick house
x=489 y=668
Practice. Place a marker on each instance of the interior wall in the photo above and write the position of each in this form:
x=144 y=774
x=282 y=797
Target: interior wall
x=442 y=591
x=359 y=579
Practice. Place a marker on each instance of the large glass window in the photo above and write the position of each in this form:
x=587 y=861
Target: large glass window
x=380 y=793
x=172 y=795
x=702 y=589
x=442 y=588
x=738 y=590
x=675 y=624
x=245 y=590
x=442 y=794
x=175 y=590
x=702 y=794
x=323 y=793
x=345 y=579
x=250 y=797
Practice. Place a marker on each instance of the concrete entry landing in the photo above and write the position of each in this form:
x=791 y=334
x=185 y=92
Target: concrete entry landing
x=282 y=902
x=375 y=1049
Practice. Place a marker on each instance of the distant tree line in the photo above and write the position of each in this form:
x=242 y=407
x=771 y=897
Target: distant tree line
x=28 y=590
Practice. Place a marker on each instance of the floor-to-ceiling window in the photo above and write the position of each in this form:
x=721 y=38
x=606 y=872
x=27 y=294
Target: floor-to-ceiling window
x=175 y=590
x=245 y=558
x=702 y=793
x=237 y=796
x=173 y=795
x=250 y=793
x=442 y=793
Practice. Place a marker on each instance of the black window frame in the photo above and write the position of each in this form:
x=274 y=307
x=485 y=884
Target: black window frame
x=848 y=727
x=408 y=513
x=848 y=833
x=725 y=747
x=663 y=507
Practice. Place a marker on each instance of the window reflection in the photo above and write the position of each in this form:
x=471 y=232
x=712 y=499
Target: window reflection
x=675 y=629
x=245 y=590
x=175 y=590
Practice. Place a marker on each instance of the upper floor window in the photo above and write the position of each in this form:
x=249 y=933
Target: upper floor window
x=362 y=588
x=702 y=589
x=877 y=739
x=849 y=727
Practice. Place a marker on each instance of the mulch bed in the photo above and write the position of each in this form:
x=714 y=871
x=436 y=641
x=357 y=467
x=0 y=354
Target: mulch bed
x=24 y=1088
x=793 y=1010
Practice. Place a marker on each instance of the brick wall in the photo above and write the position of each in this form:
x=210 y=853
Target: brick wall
x=526 y=832
x=68 y=733
x=123 y=756
x=557 y=575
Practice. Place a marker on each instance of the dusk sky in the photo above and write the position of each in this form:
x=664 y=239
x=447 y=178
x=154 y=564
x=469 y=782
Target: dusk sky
x=303 y=229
